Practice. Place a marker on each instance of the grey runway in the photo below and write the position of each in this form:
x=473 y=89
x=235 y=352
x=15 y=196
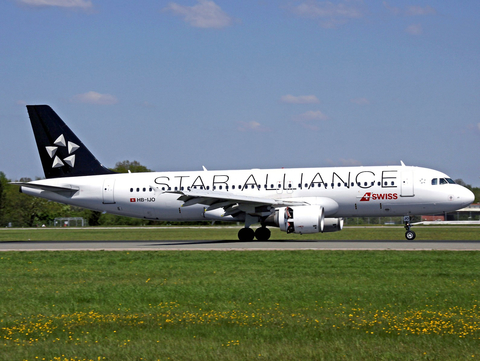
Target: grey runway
x=236 y=245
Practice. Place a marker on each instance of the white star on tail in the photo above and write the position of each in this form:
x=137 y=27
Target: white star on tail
x=52 y=150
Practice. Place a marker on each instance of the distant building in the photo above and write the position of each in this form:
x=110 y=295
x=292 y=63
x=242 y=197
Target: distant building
x=472 y=212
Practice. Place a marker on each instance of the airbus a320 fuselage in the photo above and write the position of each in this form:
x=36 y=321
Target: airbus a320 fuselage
x=297 y=200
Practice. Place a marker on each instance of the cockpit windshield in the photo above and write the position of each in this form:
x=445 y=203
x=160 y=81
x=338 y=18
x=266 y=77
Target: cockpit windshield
x=436 y=181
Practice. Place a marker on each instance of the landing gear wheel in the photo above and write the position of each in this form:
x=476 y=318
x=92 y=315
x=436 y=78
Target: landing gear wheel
x=410 y=235
x=262 y=234
x=246 y=234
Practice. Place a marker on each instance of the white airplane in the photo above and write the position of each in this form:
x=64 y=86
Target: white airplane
x=299 y=200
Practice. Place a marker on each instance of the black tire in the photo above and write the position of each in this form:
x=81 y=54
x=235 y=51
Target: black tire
x=410 y=235
x=246 y=234
x=262 y=234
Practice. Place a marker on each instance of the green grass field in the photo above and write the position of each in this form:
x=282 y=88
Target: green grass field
x=266 y=305
x=230 y=233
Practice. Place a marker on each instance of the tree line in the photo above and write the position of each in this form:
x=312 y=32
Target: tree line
x=20 y=210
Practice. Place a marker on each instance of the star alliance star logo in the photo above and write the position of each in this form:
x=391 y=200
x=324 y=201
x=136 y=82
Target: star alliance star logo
x=52 y=152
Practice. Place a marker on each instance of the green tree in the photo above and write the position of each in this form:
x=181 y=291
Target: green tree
x=126 y=165
x=3 y=185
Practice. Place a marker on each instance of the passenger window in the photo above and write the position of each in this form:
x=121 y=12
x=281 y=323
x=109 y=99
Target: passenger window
x=138 y=189
x=131 y=189
x=233 y=187
x=220 y=187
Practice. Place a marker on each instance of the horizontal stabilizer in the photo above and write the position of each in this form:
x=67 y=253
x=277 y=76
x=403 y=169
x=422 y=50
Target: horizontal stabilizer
x=56 y=189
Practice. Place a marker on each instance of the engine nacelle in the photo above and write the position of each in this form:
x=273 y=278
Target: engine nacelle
x=302 y=219
x=333 y=224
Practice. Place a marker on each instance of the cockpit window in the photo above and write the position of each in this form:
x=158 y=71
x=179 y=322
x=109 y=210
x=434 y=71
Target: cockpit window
x=436 y=181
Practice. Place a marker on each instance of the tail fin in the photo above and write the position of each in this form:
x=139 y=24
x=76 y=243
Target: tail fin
x=61 y=152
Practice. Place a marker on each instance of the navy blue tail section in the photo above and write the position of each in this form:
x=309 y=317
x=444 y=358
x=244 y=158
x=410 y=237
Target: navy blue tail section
x=61 y=152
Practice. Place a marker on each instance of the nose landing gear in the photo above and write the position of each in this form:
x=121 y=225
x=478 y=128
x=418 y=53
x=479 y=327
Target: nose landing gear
x=409 y=234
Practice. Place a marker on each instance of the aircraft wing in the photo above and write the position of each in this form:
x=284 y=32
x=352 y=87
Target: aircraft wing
x=232 y=203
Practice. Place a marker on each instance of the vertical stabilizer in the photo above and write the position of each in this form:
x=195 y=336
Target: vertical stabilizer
x=61 y=152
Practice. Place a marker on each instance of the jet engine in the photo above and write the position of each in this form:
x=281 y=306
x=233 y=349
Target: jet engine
x=303 y=220
x=333 y=224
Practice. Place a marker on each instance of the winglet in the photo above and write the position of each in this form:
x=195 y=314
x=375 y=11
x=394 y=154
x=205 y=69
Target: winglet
x=403 y=164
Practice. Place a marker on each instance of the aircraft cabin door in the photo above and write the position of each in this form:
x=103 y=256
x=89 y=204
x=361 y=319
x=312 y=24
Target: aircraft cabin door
x=406 y=185
x=108 y=191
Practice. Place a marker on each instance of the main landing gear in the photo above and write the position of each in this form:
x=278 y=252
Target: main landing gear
x=247 y=234
x=409 y=234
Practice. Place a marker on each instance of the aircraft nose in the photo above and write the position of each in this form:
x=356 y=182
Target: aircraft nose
x=465 y=197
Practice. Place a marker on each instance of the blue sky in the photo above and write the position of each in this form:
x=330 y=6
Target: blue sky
x=253 y=84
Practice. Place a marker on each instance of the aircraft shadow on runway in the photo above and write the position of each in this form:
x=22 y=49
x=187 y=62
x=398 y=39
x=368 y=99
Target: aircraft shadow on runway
x=272 y=241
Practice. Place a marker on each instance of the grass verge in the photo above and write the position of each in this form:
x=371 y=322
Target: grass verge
x=464 y=233
x=271 y=305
